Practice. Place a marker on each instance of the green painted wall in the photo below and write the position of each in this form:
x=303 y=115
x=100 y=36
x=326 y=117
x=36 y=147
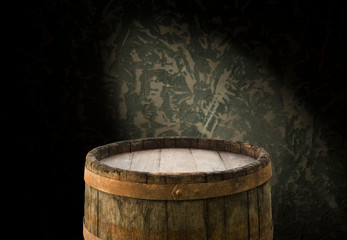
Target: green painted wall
x=232 y=73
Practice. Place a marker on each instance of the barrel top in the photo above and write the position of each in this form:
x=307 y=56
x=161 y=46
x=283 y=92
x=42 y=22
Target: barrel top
x=166 y=160
x=177 y=160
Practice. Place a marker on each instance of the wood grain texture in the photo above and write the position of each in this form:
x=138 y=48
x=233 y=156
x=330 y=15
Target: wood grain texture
x=231 y=160
x=146 y=161
x=96 y=158
x=239 y=216
x=178 y=163
x=215 y=218
x=167 y=162
x=265 y=212
x=128 y=218
x=122 y=160
x=207 y=161
x=177 y=160
x=236 y=216
x=253 y=217
x=186 y=220
x=91 y=216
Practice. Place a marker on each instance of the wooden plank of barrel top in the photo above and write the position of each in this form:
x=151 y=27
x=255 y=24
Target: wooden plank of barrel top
x=178 y=188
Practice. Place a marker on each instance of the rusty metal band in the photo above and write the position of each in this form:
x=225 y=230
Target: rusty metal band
x=185 y=191
x=268 y=235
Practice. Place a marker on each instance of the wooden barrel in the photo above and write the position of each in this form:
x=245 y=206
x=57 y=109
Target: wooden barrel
x=177 y=188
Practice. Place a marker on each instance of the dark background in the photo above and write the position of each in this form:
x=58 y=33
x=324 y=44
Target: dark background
x=55 y=109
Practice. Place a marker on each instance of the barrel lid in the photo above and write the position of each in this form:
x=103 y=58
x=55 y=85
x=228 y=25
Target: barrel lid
x=169 y=160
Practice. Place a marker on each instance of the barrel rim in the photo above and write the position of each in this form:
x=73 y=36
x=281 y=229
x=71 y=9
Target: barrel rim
x=92 y=163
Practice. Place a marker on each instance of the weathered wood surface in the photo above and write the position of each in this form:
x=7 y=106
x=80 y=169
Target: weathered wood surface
x=244 y=215
x=177 y=160
x=240 y=216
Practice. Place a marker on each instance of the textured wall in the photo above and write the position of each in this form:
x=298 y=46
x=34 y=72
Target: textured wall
x=234 y=72
x=89 y=73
